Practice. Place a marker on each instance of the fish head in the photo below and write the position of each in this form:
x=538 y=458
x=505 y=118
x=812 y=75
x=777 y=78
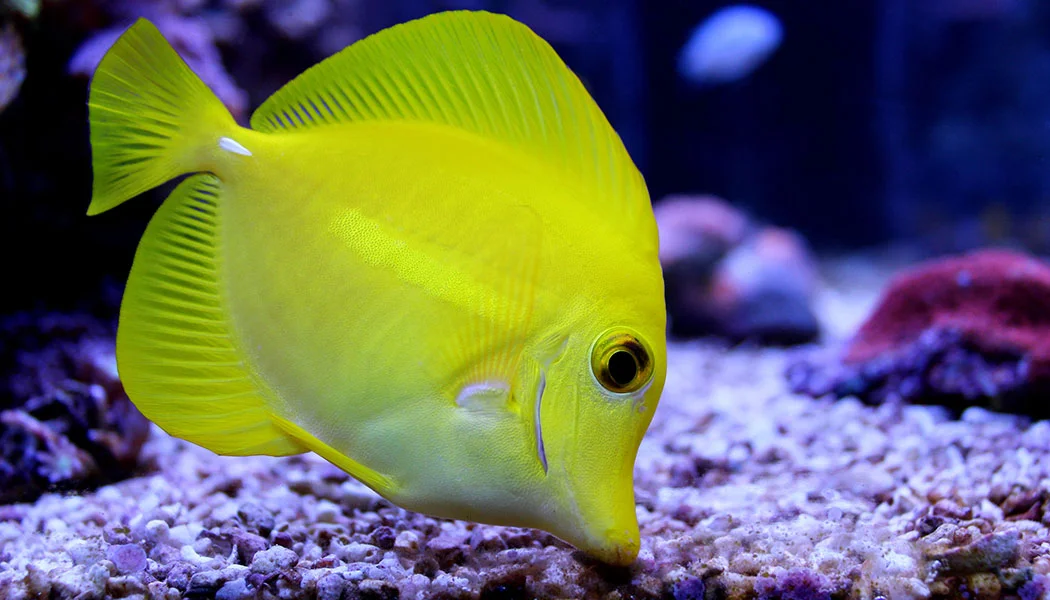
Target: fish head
x=599 y=400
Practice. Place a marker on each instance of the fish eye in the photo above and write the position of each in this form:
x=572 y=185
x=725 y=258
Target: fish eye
x=623 y=367
x=621 y=362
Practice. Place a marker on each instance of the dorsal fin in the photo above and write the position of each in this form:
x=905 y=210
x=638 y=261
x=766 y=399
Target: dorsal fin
x=480 y=72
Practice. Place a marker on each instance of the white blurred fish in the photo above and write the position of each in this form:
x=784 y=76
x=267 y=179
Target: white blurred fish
x=730 y=44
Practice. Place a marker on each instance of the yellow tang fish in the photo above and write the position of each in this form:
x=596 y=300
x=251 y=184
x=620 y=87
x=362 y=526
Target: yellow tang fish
x=430 y=260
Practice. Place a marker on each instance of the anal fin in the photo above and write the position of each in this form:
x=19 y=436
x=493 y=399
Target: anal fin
x=379 y=483
x=176 y=352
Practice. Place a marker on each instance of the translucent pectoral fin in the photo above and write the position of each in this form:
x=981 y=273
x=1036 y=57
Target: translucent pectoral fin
x=486 y=396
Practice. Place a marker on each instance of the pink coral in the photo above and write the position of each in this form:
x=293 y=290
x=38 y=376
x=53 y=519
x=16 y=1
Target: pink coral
x=998 y=300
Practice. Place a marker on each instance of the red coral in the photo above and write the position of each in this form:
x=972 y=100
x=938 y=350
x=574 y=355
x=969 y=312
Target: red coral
x=999 y=301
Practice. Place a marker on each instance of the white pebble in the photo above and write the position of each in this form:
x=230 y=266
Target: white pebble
x=277 y=558
x=328 y=512
x=190 y=555
x=234 y=590
x=54 y=525
x=894 y=563
x=110 y=494
x=225 y=512
x=415 y=586
x=157 y=531
x=356 y=552
x=407 y=541
x=84 y=552
x=990 y=511
x=185 y=534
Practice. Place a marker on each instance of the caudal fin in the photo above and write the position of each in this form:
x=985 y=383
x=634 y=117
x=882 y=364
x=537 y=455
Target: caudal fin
x=152 y=119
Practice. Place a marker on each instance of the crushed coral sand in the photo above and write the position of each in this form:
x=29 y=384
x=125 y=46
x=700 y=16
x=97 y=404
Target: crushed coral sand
x=744 y=491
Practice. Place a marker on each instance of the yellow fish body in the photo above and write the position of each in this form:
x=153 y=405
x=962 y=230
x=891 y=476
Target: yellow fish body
x=430 y=260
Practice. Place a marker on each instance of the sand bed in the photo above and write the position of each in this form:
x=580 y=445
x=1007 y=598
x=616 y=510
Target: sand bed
x=744 y=490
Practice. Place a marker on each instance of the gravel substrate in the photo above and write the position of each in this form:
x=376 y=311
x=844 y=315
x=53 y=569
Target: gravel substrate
x=744 y=491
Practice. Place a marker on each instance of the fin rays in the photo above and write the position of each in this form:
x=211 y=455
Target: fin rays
x=479 y=72
x=175 y=352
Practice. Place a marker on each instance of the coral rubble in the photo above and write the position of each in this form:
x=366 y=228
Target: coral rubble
x=744 y=490
x=65 y=422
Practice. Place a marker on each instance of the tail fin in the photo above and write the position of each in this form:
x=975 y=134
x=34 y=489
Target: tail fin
x=152 y=119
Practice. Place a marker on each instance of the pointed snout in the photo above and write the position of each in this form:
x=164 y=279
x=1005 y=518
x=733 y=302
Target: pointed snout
x=605 y=523
x=617 y=546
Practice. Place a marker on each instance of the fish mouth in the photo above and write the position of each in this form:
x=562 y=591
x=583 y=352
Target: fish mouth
x=619 y=548
x=607 y=532
x=537 y=422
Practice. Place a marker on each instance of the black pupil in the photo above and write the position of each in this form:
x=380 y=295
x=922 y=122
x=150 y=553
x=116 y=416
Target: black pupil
x=622 y=367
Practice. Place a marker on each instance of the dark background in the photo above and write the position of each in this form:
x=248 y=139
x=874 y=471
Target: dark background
x=875 y=121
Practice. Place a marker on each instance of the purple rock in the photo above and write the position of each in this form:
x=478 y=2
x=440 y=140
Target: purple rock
x=257 y=517
x=384 y=537
x=796 y=584
x=692 y=588
x=941 y=367
x=283 y=538
x=1037 y=588
x=128 y=558
x=178 y=575
x=248 y=545
x=66 y=423
x=447 y=549
x=331 y=587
